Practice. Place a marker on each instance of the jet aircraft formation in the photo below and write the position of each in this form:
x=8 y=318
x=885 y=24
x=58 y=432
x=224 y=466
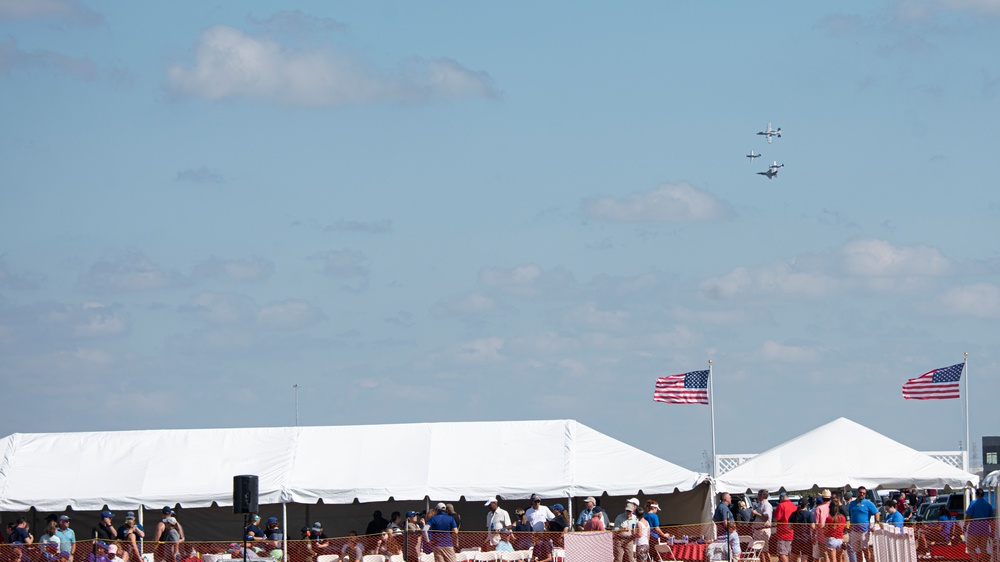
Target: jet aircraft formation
x=769 y=134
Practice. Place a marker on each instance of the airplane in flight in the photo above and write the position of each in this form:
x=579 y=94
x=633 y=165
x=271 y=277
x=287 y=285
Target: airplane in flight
x=771 y=171
x=751 y=156
x=770 y=133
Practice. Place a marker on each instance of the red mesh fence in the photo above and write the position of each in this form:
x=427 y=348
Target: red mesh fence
x=781 y=543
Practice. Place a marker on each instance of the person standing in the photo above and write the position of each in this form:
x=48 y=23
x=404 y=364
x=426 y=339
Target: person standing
x=979 y=516
x=538 y=515
x=783 y=531
x=625 y=525
x=861 y=510
x=497 y=519
x=587 y=513
x=833 y=533
x=723 y=514
x=443 y=532
x=892 y=515
x=20 y=533
x=596 y=521
x=652 y=516
x=641 y=537
x=802 y=523
x=762 y=522
x=67 y=537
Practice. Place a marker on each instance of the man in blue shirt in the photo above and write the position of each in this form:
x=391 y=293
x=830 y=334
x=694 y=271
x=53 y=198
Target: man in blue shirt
x=861 y=511
x=587 y=513
x=723 y=515
x=443 y=532
x=979 y=517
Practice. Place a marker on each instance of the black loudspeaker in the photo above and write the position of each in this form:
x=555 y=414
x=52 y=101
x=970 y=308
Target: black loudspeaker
x=245 y=493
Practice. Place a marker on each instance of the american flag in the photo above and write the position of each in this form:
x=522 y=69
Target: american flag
x=687 y=388
x=939 y=384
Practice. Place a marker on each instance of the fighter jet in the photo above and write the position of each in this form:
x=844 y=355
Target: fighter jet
x=751 y=156
x=770 y=133
x=772 y=171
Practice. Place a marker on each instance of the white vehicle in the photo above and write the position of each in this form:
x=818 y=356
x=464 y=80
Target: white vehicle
x=769 y=132
x=771 y=171
x=751 y=156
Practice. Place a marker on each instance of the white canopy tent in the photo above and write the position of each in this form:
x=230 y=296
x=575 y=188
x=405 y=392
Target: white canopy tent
x=336 y=464
x=842 y=453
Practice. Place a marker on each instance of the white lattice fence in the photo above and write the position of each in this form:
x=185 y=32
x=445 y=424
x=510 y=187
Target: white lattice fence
x=725 y=463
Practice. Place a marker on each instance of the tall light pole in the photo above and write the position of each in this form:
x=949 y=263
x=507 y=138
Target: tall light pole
x=296 y=387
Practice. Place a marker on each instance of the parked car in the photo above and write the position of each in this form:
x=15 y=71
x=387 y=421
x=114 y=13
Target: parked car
x=956 y=505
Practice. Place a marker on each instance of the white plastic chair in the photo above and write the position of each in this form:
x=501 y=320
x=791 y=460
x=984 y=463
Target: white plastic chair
x=487 y=556
x=327 y=558
x=752 y=554
x=373 y=558
x=426 y=557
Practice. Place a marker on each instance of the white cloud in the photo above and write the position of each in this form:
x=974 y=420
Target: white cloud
x=240 y=270
x=980 y=300
x=862 y=266
x=676 y=202
x=879 y=258
x=51 y=325
x=589 y=315
x=223 y=308
x=346 y=265
x=296 y=22
x=230 y=63
x=774 y=351
x=472 y=304
x=289 y=314
x=525 y=280
x=130 y=271
x=482 y=351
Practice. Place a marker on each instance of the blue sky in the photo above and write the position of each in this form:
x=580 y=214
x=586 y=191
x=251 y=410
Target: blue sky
x=447 y=211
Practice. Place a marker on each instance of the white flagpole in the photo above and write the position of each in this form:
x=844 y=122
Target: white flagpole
x=968 y=446
x=711 y=401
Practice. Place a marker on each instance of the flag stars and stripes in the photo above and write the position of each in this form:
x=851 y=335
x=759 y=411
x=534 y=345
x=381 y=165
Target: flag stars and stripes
x=939 y=384
x=685 y=388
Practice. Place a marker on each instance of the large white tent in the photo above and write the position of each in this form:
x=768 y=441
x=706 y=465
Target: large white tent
x=335 y=464
x=842 y=453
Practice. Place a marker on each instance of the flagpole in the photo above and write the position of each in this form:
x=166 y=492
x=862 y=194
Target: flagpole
x=711 y=401
x=968 y=446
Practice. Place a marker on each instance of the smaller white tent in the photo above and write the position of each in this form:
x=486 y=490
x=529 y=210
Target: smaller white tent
x=842 y=453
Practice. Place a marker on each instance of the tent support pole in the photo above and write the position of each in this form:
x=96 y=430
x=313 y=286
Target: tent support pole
x=284 y=525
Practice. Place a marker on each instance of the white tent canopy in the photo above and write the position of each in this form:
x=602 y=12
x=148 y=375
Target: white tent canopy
x=842 y=453
x=335 y=464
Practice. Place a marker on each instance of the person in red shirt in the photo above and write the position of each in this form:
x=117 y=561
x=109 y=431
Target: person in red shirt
x=783 y=531
x=596 y=522
x=833 y=530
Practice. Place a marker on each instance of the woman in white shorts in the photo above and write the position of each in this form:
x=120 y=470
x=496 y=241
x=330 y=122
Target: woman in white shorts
x=834 y=533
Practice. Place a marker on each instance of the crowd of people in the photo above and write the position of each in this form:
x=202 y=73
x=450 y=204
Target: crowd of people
x=836 y=526
x=832 y=526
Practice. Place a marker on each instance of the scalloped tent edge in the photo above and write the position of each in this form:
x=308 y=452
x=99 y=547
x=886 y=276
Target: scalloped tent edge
x=445 y=461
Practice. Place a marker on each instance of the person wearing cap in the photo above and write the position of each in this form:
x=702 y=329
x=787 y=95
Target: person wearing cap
x=443 y=534
x=496 y=520
x=587 y=512
x=130 y=534
x=652 y=516
x=114 y=554
x=105 y=529
x=521 y=530
x=67 y=537
x=100 y=552
x=783 y=531
x=821 y=513
x=505 y=543
x=596 y=521
x=861 y=511
x=802 y=523
x=625 y=524
x=538 y=515
x=377 y=524
x=274 y=535
x=414 y=536
x=558 y=524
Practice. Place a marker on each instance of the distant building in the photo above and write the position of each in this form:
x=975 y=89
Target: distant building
x=991 y=452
